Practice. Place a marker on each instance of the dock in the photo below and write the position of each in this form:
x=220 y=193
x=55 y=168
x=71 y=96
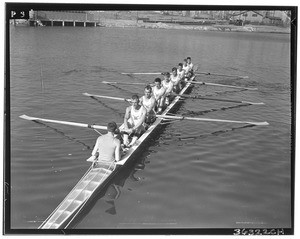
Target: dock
x=62 y=19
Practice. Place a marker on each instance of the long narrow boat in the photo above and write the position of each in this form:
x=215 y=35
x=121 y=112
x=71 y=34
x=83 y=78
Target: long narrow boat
x=98 y=176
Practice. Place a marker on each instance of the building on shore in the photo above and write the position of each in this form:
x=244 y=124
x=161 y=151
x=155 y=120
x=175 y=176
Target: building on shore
x=277 y=18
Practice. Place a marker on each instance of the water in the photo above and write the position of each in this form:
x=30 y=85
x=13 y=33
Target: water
x=191 y=174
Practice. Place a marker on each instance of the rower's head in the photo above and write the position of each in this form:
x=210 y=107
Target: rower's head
x=157 y=82
x=148 y=91
x=180 y=66
x=135 y=101
x=112 y=127
x=189 y=59
x=167 y=76
x=174 y=71
x=184 y=62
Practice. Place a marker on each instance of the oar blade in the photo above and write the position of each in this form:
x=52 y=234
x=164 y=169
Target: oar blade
x=83 y=125
x=26 y=117
x=260 y=123
x=252 y=103
x=108 y=82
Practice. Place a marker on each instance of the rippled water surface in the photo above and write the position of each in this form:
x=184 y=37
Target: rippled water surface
x=190 y=174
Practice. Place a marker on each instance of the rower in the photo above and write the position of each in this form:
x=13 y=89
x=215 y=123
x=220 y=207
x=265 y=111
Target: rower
x=190 y=64
x=175 y=78
x=108 y=146
x=180 y=71
x=188 y=70
x=168 y=85
x=185 y=66
x=158 y=93
x=133 y=121
x=148 y=101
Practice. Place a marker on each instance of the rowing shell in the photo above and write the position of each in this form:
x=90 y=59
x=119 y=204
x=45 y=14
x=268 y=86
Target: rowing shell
x=97 y=177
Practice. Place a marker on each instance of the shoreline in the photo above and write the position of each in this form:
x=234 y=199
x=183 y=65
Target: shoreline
x=121 y=23
x=118 y=23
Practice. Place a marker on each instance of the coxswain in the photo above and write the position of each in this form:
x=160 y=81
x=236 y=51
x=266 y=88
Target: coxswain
x=175 y=78
x=148 y=101
x=168 y=85
x=158 y=93
x=107 y=147
x=133 y=121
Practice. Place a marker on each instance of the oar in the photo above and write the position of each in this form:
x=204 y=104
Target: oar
x=124 y=83
x=216 y=74
x=214 y=84
x=216 y=99
x=107 y=97
x=64 y=122
x=213 y=120
x=142 y=73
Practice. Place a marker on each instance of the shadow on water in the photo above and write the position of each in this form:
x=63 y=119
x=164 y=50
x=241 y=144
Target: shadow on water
x=203 y=112
x=122 y=89
x=72 y=71
x=223 y=92
x=107 y=106
x=64 y=135
x=98 y=69
x=215 y=133
x=135 y=77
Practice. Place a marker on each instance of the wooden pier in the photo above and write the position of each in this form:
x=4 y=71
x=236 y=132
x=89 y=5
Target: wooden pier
x=63 y=19
x=62 y=23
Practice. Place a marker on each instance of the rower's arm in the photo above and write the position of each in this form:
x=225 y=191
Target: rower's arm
x=169 y=90
x=94 y=152
x=126 y=117
x=141 y=101
x=152 y=105
x=162 y=94
x=117 y=151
